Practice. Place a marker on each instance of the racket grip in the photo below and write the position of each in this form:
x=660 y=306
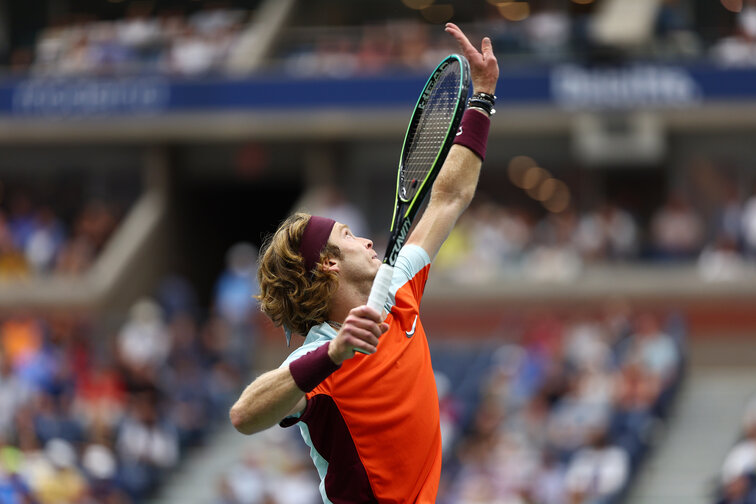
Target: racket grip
x=381 y=284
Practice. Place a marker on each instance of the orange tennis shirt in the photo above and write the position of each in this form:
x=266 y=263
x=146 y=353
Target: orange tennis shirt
x=373 y=425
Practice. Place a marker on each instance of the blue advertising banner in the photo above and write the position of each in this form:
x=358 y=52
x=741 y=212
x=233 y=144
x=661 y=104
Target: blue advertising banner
x=564 y=86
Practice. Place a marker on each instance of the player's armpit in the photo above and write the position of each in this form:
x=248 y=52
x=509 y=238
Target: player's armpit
x=299 y=408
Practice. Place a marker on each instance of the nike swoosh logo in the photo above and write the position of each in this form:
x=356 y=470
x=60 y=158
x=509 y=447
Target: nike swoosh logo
x=411 y=332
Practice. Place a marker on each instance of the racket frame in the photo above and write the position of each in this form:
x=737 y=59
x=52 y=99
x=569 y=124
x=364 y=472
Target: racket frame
x=405 y=209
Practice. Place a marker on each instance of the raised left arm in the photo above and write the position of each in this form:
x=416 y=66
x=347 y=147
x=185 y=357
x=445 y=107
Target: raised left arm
x=452 y=192
x=455 y=184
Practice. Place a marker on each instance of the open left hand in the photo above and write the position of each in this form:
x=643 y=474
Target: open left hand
x=484 y=69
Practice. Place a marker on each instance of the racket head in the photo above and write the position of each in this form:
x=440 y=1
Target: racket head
x=430 y=133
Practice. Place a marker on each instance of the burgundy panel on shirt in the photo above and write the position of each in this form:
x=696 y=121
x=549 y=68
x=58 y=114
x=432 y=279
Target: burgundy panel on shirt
x=346 y=481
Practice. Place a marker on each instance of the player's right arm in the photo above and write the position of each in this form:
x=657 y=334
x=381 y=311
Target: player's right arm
x=266 y=401
x=275 y=395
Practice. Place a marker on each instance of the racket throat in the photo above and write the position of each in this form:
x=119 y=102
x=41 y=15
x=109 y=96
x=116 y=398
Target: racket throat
x=401 y=237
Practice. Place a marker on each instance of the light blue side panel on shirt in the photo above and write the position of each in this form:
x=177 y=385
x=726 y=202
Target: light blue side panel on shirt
x=320 y=463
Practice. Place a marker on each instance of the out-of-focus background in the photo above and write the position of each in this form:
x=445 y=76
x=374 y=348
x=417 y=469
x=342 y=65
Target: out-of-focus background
x=592 y=318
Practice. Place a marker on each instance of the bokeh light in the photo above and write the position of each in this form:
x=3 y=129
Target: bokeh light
x=534 y=176
x=438 y=14
x=514 y=11
x=546 y=189
x=418 y=4
x=518 y=165
x=733 y=5
x=560 y=198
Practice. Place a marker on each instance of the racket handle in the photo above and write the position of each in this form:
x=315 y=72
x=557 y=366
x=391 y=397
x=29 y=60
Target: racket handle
x=381 y=284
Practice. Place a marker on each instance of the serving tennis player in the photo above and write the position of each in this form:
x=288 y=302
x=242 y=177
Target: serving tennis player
x=371 y=418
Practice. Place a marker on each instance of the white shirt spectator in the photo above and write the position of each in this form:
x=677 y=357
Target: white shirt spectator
x=193 y=54
x=740 y=460
x=144 y=340
x=598 y=472
x=153 y=444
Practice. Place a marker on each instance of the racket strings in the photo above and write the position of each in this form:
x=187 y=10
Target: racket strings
x=429 y=132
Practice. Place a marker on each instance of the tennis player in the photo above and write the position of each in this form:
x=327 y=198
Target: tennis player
x=371 y=419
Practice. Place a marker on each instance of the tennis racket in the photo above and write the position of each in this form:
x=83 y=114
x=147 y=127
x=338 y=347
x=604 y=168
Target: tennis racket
x=429 y=137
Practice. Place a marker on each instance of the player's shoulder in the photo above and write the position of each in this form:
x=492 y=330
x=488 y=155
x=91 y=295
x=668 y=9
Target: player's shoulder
x=318 y=336
x=412 y=259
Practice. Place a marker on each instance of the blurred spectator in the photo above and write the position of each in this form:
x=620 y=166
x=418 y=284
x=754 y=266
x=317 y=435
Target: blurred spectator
x=62 y=482
x=653 y=349
x=177 y=296
x=555 y=256
x=54 y=418
x=45 y=241
x=739 y=49
x=274 y=469
x=598 y=471
x=548 y=29
x=738 y=473
x=738 y=490
x=236 y=287
x=100 y=396
x=144 y=342
x=721 y=261
x=14 y=393
x=749 y=225
x=146 y=444
x=609 y=232
x=100 y=467
x=676 y=229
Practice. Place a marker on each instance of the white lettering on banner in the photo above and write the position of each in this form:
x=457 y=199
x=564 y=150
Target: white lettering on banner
x=90 y=97
x=576 y=87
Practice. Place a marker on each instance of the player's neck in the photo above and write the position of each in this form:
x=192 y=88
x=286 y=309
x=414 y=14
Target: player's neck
x=346 y=298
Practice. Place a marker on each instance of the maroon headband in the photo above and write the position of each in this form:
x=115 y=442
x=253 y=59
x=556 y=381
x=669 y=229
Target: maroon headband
x=314 y=239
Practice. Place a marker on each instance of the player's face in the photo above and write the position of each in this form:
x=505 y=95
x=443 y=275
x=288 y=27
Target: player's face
x=359 y=260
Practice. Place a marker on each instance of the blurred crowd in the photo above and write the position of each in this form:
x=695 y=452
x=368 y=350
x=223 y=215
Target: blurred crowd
x=201 y=41
x=737 y=483
x=517 y=243
x=274 y=469
x=143 y=42
x=538 y=31
x=36 y=240
x=92 y=412
x=568 y=410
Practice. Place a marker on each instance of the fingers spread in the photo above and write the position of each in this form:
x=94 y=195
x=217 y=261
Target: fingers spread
x=455 y=32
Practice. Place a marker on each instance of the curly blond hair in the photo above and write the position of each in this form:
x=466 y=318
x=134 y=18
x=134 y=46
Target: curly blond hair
x=290 y=295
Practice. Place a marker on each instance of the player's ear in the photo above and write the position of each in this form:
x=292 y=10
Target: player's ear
x=330 y=264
